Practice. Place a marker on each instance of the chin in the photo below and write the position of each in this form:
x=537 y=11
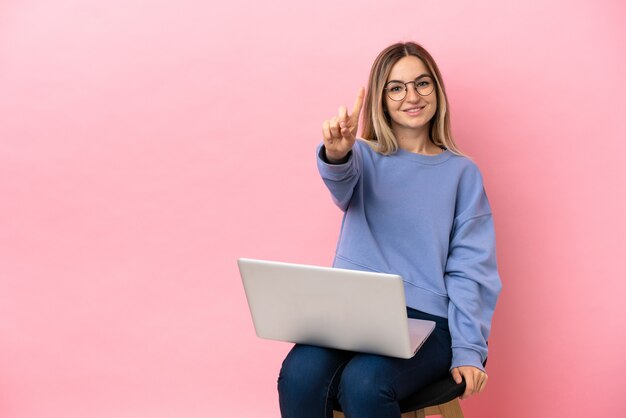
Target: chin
x=415 y=124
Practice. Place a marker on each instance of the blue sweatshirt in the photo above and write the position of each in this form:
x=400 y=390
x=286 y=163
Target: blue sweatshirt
x=427 y=219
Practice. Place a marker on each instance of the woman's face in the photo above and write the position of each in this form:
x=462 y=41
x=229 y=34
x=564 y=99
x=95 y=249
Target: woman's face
x=414 y=111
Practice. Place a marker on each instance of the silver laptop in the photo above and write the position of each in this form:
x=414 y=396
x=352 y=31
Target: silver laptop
x=345 y=309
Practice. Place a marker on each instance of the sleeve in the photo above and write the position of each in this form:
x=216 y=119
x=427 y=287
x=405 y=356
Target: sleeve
x=471 y=273
x=341 y=178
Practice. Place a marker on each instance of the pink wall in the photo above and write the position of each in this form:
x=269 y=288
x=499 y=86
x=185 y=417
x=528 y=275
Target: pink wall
x=145 y=145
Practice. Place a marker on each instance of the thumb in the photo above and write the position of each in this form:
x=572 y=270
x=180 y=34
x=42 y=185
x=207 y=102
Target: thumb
x=456 y=375
x=343 y=114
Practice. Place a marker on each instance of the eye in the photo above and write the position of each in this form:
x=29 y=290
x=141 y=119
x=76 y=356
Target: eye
x=395 y=88
x=423 y=83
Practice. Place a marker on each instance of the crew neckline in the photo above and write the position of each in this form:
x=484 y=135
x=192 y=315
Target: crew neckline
x=423 y=158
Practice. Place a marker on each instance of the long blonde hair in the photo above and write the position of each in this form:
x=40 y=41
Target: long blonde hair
x=376 y=122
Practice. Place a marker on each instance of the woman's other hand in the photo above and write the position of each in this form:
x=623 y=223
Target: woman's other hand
x=475 y=379
x=340 y=131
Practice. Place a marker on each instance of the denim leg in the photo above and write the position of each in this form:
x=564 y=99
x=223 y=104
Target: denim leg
x=308 y=379
x=372 y=385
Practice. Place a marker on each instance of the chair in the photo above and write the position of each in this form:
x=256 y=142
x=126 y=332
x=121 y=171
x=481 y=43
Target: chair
x=440 y=398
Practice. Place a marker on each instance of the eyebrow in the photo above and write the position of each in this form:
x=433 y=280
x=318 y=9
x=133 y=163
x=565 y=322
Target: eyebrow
x=416 y=78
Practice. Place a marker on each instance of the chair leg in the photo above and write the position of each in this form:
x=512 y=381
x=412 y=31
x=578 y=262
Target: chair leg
x=451 y=409
x=430 y=410
x=415 y=414
x=420 y=413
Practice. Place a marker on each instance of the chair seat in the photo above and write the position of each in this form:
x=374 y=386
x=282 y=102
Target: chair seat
x=437 y=393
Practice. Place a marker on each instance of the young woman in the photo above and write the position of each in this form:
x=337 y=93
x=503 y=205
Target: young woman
x=413 y=205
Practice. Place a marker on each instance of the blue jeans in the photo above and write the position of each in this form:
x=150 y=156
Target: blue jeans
x=365 y=385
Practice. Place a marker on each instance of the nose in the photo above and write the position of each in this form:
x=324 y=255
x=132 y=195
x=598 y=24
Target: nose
x=411 y=93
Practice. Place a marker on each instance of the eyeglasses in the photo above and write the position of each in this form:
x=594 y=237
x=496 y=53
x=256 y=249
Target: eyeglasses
x=396 y=90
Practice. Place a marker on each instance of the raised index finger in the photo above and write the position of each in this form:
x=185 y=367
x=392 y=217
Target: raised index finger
x=358 y=104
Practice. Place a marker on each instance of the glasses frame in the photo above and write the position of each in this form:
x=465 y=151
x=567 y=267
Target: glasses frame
x=406 y=87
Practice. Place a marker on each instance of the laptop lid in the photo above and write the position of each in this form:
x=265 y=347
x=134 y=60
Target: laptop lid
x=345 y=309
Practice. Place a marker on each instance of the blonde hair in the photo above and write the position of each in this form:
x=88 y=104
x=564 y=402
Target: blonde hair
x=377 y=130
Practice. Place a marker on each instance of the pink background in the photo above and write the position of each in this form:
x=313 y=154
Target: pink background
x=145 y=145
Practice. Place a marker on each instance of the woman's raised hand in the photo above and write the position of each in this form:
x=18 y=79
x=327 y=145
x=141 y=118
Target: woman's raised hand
x=340 y=131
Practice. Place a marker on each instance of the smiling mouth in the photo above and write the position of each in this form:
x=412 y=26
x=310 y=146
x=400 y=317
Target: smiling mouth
x=414 y=110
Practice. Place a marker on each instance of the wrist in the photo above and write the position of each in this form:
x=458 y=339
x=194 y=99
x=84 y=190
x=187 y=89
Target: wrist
x=334 y=158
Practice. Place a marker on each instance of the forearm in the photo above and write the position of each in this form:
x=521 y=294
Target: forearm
x=340 y=177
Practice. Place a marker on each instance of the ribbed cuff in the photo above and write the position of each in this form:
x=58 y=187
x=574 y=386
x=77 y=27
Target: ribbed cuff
x=321 y=153
x=466 y=357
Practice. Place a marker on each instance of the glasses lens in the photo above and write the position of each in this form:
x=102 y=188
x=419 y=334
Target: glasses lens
x=425 y=86
x=396 y=91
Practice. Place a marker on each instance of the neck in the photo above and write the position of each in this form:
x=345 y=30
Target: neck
x=417 y=141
